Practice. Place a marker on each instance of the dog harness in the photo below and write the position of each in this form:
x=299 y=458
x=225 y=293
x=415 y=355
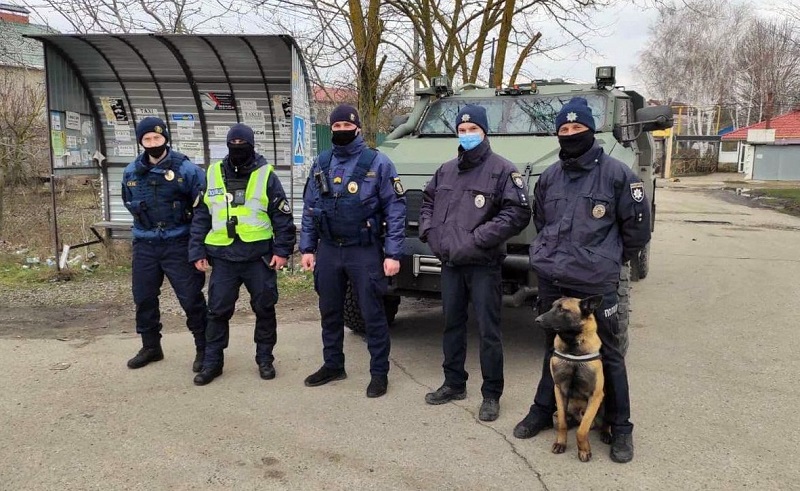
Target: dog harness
x=578 y=358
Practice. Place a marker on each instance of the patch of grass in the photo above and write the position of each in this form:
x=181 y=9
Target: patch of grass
x=789 y=194
x=294 y=282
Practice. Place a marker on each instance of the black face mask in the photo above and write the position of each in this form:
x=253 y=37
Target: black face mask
x=240 y=153
x=343 y=137
x=573 y=146
x=156 y=152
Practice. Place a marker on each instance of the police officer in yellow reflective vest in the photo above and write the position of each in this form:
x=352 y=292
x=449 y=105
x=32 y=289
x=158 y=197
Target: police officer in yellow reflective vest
x=243 y=228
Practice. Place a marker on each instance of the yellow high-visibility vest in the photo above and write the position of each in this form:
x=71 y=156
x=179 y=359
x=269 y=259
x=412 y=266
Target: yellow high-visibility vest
x=253 y=221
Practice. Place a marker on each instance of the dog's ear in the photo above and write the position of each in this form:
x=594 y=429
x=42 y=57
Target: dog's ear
x=590 y=304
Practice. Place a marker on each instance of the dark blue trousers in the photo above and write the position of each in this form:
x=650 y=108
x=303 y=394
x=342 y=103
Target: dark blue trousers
x=482 y=286
x=223 y=292
x=151 y=261
x=363 y=266
x=617 y=398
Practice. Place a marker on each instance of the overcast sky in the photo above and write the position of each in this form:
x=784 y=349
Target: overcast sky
x=622 y=33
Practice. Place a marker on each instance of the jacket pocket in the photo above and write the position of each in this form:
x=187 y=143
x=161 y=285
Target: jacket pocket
x=441 y=205
x=595 y=215
x=475 y=207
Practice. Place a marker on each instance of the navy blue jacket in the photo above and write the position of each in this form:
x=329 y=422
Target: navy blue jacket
x=283 y=228
x=472 y=206
x=380 y=193
x=160 y=197
x=592 y=215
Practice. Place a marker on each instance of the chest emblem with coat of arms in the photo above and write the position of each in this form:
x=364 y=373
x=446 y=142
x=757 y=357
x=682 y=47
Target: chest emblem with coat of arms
x=352 y=187
x=599 y=211
x=480 y=201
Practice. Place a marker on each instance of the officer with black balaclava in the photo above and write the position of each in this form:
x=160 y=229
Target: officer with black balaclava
x=592 y=215
x=243 y=229
x=472 y=206
x=353 y=230
x=158 y=189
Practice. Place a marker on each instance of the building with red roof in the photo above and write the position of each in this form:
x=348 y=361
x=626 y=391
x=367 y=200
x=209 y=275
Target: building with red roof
x=769 y=154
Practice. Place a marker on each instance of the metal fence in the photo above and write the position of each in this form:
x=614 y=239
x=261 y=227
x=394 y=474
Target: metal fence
x=323 y=135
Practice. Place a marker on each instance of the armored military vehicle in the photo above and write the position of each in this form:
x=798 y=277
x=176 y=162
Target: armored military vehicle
x=522 y=129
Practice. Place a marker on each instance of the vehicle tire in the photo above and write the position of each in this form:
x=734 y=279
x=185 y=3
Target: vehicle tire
x=640 y=265
x=352 y=313
x=624 y=307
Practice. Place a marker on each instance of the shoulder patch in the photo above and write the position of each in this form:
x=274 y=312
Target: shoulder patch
x=284 y=207
x=516 y=178
x=398 y=187
x=637 y=191
x=197 y=199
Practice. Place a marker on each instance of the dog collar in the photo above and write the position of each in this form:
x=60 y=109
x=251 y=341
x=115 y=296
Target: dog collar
x=581 y=358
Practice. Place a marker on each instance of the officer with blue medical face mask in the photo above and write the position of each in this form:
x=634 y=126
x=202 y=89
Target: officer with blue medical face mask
x=471 y=207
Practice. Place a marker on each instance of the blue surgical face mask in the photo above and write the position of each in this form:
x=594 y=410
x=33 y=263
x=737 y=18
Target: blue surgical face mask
x=469 y=140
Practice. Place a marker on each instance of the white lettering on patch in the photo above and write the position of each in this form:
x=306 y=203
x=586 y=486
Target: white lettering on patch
x=611 y=311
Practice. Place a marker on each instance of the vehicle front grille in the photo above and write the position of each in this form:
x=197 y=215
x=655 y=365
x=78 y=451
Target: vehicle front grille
x=413 y=204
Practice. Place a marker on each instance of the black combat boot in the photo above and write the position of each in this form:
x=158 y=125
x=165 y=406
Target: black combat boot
x=207 y=375
x=622 y=448
x=377 y=386
x=267 y=370
x=445 y=394
x=197 y=365
x=325 y=375
x=145 y=356
x=490 y=410
x=532 y=424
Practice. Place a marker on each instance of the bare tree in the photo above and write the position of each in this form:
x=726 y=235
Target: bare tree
x=163 y=16
x=690 y=56
x=23 y=129
x=768 y=58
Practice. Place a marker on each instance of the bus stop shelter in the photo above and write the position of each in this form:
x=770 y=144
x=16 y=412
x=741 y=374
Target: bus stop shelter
x=100 y=85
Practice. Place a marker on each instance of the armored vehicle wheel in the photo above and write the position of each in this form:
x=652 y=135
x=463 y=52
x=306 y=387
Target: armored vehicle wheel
x=352 y=314
x=640 y=265
x=624 y=307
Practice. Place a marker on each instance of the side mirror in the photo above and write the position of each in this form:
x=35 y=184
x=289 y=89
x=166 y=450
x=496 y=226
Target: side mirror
x=650 y=118
x=653 y=118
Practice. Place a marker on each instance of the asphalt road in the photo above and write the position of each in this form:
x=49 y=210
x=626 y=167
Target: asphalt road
x=713 y=368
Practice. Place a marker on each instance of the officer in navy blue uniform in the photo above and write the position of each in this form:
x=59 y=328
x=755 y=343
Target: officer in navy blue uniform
x=471 y=207
x=243 y=228
x=592 y=216
x=354 y=221
x=158 y=188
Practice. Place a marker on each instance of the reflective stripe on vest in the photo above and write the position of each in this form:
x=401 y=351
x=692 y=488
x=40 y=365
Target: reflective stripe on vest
x=253 y=221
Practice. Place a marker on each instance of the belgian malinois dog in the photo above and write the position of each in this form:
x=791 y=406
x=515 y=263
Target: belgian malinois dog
x=576 y=367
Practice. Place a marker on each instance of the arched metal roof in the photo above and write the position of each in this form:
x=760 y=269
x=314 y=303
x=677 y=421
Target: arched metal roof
x=212 y=80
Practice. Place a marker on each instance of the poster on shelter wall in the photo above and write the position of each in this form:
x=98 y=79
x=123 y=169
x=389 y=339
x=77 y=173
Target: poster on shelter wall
x=114 y=110
x=217 y=101
x=73 y=121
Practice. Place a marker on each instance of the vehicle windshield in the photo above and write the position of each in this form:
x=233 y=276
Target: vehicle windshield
x=509 y=115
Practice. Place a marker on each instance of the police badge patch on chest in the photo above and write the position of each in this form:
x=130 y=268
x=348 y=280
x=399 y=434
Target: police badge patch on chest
x=480 y=200
x=599 y=211
x=352 y=187
x=637 y=191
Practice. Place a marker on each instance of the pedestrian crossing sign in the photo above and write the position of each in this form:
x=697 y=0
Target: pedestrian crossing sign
x=299 y=141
